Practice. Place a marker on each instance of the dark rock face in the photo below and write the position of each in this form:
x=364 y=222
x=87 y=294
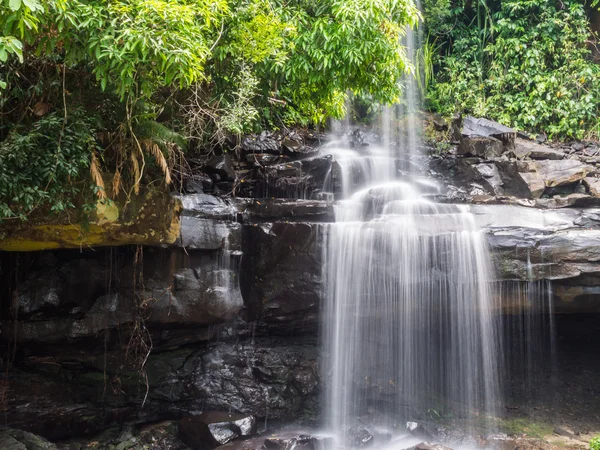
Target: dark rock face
x=69 y=391
x=193 y=288
x=281 y=274
x=303 y=179
x=267 y=379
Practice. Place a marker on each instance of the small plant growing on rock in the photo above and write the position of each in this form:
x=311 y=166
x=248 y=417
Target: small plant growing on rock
x=595 y=443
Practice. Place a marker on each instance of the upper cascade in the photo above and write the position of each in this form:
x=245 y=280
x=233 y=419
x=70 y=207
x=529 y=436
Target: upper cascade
x=408 y=325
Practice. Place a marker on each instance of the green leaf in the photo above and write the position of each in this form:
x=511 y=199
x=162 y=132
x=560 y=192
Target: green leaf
x=15 y=5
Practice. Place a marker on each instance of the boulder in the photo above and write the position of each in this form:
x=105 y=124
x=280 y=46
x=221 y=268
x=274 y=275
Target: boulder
x=592 y=185
x=489 y=176
x=535 y=184
x=496 y=177
x=481 y=146
x=540 y=175
x=488 y=128
x=529 y=149
x=222 y=166
x=212 y=429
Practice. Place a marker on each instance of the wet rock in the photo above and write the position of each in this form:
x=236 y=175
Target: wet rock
x=200 y=287
x=262 y=159
x=419 y=431
x=427 y=446
x=457 y=438
x=208 y=223
x=204 y=296
x=295 y=179
x=212 y=429
x=269 y=210
x=281 y=275
x=359 y=438
x=61 y=394
x=197 y=184
x=22 y=440
x=61 y=288
x=300 y=442
x=209 y=234
x=265 y=142
x=221 y=165
x=484 y=146
x=207 y=207
x=296 y=149
x=270 y=377
x=287 y=440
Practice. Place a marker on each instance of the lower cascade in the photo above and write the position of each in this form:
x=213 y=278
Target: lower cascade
x=408 y=326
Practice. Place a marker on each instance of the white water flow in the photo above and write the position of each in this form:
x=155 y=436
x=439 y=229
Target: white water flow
x=408 y=332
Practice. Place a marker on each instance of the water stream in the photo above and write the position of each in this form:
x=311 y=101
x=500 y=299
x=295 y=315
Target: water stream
x=408 y=330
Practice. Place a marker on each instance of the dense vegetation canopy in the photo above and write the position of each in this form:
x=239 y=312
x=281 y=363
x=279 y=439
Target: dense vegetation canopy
x=98 y=97
x=527 y=63
x=124 y=86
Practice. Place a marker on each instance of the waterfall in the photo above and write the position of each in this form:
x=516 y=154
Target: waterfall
x=408 y=328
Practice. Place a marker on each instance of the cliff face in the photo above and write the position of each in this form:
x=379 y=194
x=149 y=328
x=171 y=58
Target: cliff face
x=225 y=316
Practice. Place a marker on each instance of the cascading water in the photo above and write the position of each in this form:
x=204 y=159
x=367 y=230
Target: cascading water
x=408 y=329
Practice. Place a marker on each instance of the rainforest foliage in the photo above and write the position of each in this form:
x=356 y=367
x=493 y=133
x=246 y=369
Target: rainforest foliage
x=530 y=64
x=99 y=97
x=120 y=88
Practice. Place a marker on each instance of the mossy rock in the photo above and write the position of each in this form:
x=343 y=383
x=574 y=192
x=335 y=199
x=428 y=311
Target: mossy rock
x=150 y=218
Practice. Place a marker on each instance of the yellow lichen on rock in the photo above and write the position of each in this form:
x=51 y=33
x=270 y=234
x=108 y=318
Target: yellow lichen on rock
x=112 y=226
